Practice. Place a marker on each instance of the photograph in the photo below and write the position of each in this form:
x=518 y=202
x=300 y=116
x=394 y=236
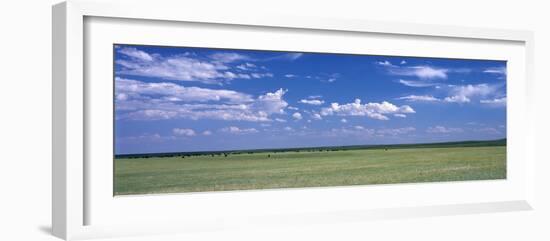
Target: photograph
x=196 y=119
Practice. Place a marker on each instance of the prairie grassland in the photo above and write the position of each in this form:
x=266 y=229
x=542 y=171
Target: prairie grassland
x=307 y=169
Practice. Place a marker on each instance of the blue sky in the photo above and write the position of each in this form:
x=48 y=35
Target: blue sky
x=177 y=99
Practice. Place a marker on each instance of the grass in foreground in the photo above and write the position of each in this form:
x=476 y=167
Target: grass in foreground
x=307 y=169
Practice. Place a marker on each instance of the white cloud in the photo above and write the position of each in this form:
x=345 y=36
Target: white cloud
x=416 y=83
x=495 y=102
x=312 y=102
x=237 y=130
x=287 y=56
x=297 y=116
x=135 y=53
x=183 y=132
x=443 y=130
x=187 y=67
x=403 y=62
x=400 y=115
x=328 y=78
x=360 y=131
x=280 y=120
x=423 y=72
x=496 y=70
x=457 y=99
x=290 y=76
x=121 y=96
x=343 y=120
x=271 y=103
x=246 y=66
x=293 y=108
x=179 y=68
x=293 y=56
x=228 y=57
x=207 y=133
x=316 y=116
x=154 y=101
x=175 y=92
x=372 y=110
x=288 y=128
x=427 y=98
x=385 y=63
x=259 y=76
x=464 y=93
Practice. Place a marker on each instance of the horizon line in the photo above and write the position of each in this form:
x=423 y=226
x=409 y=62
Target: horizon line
x=305 y=147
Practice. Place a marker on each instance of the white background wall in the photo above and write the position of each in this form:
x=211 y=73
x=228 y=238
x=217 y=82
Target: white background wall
x=25 y=120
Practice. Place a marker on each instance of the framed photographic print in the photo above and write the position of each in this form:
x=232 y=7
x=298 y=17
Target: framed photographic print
x=180 y=121
x=191 y=119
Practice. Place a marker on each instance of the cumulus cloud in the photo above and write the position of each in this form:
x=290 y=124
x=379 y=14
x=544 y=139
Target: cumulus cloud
x=135 y=53
x=464 y=93
x=271 y=103
x=297 y=116
x=186 y=67
x=183 y=132
x=377 y=111
x=175 y=92
x=457 y=99
x=154 y=101
x=443 y=130
x=237 y=130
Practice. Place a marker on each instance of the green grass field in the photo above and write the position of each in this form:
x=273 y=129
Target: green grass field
x=255 y=170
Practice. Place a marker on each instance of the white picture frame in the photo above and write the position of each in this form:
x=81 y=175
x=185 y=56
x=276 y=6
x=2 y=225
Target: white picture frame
x=73 y=185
